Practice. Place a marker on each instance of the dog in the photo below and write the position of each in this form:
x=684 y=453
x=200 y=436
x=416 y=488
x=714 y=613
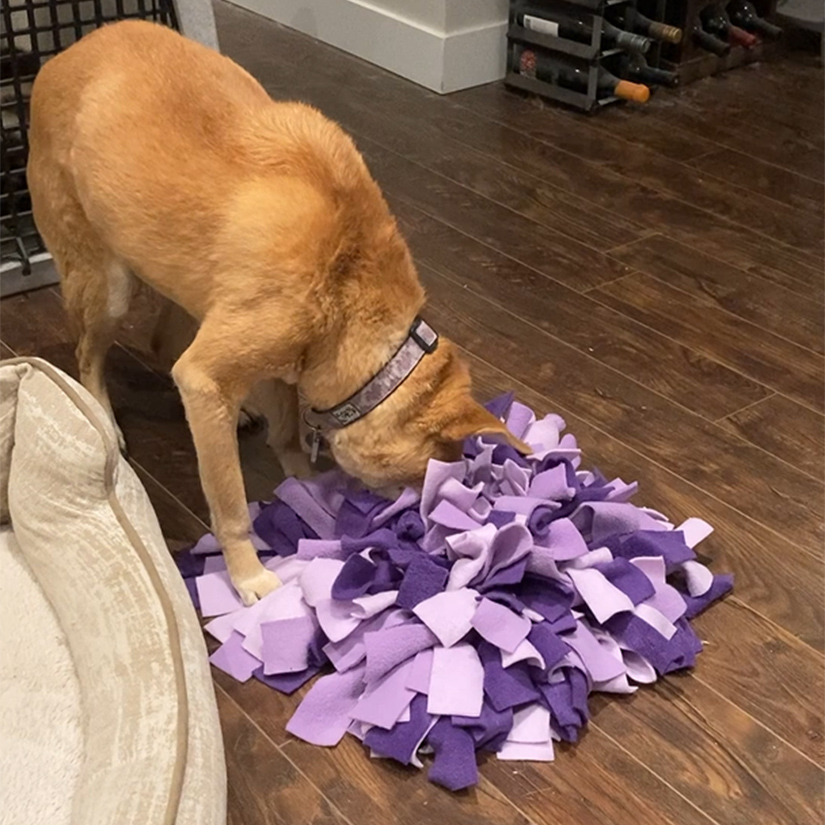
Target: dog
x=155 y=158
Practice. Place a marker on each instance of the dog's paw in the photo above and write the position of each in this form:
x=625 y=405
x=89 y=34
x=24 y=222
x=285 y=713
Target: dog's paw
x=250 y=421
x=255 y=587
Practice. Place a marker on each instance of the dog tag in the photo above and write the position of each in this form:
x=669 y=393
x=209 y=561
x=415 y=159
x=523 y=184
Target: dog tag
x=315 y=446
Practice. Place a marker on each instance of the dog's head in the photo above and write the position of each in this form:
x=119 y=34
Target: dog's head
x=428 y=417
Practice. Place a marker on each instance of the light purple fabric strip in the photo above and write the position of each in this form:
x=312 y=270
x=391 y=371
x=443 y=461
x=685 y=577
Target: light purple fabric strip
x=286 y=643
x=323 y=716
x=320 y=548
x=449 y=614
x=389 y=647
x=231 y=658
x=419 y=677
x=604 y=599
x=383 y=701
x=456 y=682
x=500 y=626
x=217 y=595
x=295 y=495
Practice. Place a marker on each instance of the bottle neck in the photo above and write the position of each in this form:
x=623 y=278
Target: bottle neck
x=710 y=43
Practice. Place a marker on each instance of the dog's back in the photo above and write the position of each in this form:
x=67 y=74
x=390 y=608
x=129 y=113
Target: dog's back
x=186 y=168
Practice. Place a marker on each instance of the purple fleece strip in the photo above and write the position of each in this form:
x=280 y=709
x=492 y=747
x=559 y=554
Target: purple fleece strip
x=454 y=765
x=401 y=742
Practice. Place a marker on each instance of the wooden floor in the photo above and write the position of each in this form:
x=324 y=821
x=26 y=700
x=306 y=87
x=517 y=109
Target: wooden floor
x=656 y=277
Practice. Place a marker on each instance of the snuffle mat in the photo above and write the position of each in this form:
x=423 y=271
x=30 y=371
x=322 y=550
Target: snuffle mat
x=477 y=616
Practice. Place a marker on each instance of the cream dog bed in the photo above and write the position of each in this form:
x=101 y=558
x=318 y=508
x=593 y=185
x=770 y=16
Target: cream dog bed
x=107 y=710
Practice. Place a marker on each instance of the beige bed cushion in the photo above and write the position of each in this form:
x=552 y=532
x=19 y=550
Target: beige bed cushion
x=41 y=729
x=152 y=745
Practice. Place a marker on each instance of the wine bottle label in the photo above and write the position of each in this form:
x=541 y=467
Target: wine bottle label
x=538 y=24
x=527 y=63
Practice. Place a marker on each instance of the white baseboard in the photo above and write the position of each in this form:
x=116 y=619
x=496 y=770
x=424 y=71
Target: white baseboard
x=443 y=62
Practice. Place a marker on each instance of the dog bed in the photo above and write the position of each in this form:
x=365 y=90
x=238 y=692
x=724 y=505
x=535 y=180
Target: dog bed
x=107 y=710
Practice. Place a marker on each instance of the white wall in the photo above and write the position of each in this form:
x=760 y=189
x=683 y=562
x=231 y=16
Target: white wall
x=445 y=45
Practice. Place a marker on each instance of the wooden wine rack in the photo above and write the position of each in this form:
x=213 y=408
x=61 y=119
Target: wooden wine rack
x=690 y=61
x=590 y=55
x=686 y=59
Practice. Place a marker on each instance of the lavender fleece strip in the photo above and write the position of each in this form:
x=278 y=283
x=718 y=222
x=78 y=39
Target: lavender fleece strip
x=479 y=615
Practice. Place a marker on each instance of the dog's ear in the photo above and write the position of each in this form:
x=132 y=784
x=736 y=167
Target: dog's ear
x=468 y=418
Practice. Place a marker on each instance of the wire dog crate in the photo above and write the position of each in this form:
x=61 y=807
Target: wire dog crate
x=32 y=31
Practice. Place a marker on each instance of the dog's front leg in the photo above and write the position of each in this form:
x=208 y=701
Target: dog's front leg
x=212 y=388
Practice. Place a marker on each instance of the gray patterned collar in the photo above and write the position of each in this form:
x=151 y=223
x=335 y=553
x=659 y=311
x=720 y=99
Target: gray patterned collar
x=421 y=340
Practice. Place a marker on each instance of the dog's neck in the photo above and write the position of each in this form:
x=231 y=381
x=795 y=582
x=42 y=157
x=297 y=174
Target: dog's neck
x=421 y=340
x=340 y=365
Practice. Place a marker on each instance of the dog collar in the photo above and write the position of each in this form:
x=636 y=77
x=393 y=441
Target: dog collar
x=421 y=340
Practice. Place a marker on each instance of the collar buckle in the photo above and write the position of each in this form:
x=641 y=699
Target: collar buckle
x=424 y=335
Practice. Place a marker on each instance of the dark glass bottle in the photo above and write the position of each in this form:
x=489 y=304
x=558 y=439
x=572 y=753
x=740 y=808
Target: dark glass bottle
x=709 y=42
x=716 y=22
x=572 y=76
x=653 y=28
x=743 y=14
x=582 y=30
x=634 y=67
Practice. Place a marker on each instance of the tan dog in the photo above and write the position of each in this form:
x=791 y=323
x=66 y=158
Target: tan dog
x=156 y=158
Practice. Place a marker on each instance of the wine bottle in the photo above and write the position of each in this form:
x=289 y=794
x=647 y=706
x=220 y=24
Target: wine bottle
x=743 y=14
x=575 y=77
x=635 y=67
x=653 y=28
x=716 y=22
x=582 y=31
x=709 y=42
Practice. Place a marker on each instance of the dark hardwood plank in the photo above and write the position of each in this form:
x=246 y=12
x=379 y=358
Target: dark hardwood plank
x=699 y=323
x=791 y=594
x=800 y=157
x=731 y=469
x=654 y=360
x=725 y=101
x=377 y=791
x=180 y=528
x=269 y=708
x=735 y=244
x=555 y=255
x=6 y=352
x=764 y=179
x=791 y=75
x=769 y=306
x=730 y=766
x=774 y=143
x=789 y=105
x=618 y=788
x=265 y=788
x=791 y=226
x=763 y=672
x=786 y=429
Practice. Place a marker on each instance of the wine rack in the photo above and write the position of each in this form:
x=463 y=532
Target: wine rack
x=561 y=49
x=688 y=59
x=587 y=59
